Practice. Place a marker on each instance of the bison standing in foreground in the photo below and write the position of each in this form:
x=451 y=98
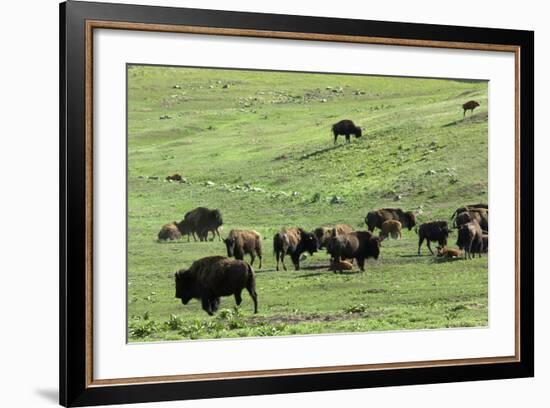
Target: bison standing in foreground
x=469 y=106
x=294 y=242
x=360 y=245
x=169 y=232
x=211 y=277
x=323 y=234
x=433 y=231
x=470 y=239
x=345 y=127
x=375 y=219
x=201 y=221
x=240 y=242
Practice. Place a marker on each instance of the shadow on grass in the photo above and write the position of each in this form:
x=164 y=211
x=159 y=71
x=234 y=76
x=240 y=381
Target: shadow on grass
x=476 y=118
x=321 y=151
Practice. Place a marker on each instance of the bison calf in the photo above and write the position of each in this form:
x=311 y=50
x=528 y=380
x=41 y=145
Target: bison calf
x=375 y=219
x=240 y=242
x=169 y=232
x=211 y=277
x=449 y=252
x=338 y=266
x=433 y=231
x=391 y=228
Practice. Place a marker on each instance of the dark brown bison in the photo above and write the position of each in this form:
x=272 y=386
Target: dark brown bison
x=471 y=207
x=375 y=219
x=345 y=127
x=360 y=245
x=323 y=234
x=481 y=215
x=201 y=221
x=470 y=239
x=212 y=277
x=433 y=231
x=470 y=106
x=175 y=177
x=240 y=242
x=294 y=242
x=169 y=232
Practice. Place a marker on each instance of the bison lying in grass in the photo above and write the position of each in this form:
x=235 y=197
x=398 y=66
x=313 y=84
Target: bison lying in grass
x=240 y=242
x=433 y=231
x=169 y=232
x=294 y=242
x=212 y=277
x=360 y=245
x=323 y=234
x=450 y=253
x=375 y=219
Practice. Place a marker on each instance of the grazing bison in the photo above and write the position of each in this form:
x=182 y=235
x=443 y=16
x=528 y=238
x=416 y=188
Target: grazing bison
x=391 y=228
x=449 y=252
x=433 y=231
x=360 y=245
x=169 y=232
x=345 y=127
x=470 y=239
x=202 y=220
x=469 y=106
x=323 y=234
x=240 y=242
x=175 y=177
x=294 y=242
x=212 y=277
x=375 y=219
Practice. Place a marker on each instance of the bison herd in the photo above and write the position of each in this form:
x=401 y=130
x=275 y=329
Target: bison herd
x=211 y=277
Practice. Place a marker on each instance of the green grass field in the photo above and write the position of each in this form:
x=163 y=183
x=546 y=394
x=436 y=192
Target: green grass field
x=258 y=146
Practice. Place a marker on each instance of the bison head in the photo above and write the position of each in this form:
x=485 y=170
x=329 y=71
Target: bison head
x=358 y=132
x=184 y=227
x=230 y=245
x=410 y=219
x=184 y=286
x=308 y=242
x=374 y=247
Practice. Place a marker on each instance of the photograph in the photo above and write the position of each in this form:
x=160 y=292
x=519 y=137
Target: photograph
x=281 y=203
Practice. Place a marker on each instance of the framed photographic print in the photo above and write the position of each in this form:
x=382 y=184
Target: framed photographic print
x=256 y=203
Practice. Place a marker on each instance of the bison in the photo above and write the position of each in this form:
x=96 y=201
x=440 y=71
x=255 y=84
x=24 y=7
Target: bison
x=294 y=242
x=240 y=242
x=449 y=252
x=211 y=277
x=345 y=127
x=323 y=233
x=480 y=215
x=470 y=239
x=175 y=177
x=360 y=245
x=469 y=106
x=340 y=266
x=433 y=231
x=391 y=228
x=375 y=219
x=202 y=220
x=169 y=232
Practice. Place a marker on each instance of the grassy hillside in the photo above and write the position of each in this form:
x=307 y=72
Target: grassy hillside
x=258 y=146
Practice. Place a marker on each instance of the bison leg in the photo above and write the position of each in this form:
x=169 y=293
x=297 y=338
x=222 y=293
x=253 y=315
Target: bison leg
x=429 y=247
x=420 y=240
x=361 y=263
x=252 y=259
x=215 y=304
x=335 y=138
x=347 y=139
x=259 y=256
x=206 y=305
x=238 y=298
x=251 y=288
x=283 y=261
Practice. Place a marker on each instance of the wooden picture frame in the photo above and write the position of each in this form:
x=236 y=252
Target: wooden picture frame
x=78 y=20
